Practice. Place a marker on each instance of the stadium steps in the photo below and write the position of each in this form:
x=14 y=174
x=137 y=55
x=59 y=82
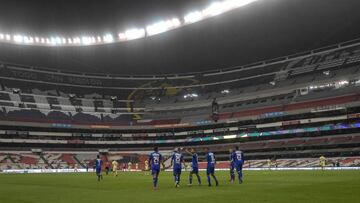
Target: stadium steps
x=46 y=161
x=29 y=160
x=9 y=157
x=14 y=163
x=349 y=160
x=79 y=162
x=68 y=158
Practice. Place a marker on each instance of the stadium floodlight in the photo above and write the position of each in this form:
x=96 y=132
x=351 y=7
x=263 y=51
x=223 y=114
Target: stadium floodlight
x=135 y=34
x=18 y=39
x=193 y=17
x=28 y=40
x=76 y=40
x=162 y=26
x=122 y=36
x=108 y=38
x=58 y=40
x=214 y=9
x=53 y=40
x=86 y=40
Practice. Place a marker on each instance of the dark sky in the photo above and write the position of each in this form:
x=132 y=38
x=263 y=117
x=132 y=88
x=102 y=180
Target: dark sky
x=264 y=30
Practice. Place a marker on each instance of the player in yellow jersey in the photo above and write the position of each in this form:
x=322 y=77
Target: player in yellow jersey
x=322 y=161
x=269 y=164
x=146 y=167
x=115 y=167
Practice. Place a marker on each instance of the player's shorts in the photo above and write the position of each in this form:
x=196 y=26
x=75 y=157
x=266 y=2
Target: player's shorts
x=232 y=167
x=210 y=170
x=155 y=171
x=98 y=170
x=114 y=169
x=194 y=169
x=239 y=167
x=177 y=171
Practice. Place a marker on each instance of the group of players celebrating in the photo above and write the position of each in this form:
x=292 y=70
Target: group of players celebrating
x=177 y=161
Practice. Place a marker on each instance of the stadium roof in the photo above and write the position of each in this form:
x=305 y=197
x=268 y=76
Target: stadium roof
x=264 y=30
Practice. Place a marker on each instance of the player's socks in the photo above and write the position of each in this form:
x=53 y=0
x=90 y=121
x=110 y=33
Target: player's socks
x=155 y=182
x=199 y=179
x=216 y=181
x=232 y=176
x=240 y=177
x=190 y=179
x=209 y=181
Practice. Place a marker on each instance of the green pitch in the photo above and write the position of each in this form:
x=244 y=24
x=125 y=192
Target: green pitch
x=259 y=186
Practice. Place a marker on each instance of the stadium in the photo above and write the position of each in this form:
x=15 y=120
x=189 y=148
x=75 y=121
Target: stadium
x=179 y=101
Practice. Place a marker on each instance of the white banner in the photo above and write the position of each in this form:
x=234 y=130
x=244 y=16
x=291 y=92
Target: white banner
x=32 y=171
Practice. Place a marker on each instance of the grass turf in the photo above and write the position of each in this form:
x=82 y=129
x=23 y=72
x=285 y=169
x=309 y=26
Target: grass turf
x=259 y=186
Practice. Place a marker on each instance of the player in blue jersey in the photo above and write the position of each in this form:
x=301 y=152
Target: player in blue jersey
x=238 y=159
x=232 y=166
x=98 y=165
x=155 y=160
x=210 y=170
x=194 y=166
x=177 y=160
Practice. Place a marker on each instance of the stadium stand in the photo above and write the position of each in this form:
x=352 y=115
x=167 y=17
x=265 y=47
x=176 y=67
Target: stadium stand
x=301 y=107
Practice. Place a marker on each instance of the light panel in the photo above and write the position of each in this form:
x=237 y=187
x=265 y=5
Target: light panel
x=193 y=17
x=214 y=9
x=134 y=34
x=162 y=26
x=108 y=38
